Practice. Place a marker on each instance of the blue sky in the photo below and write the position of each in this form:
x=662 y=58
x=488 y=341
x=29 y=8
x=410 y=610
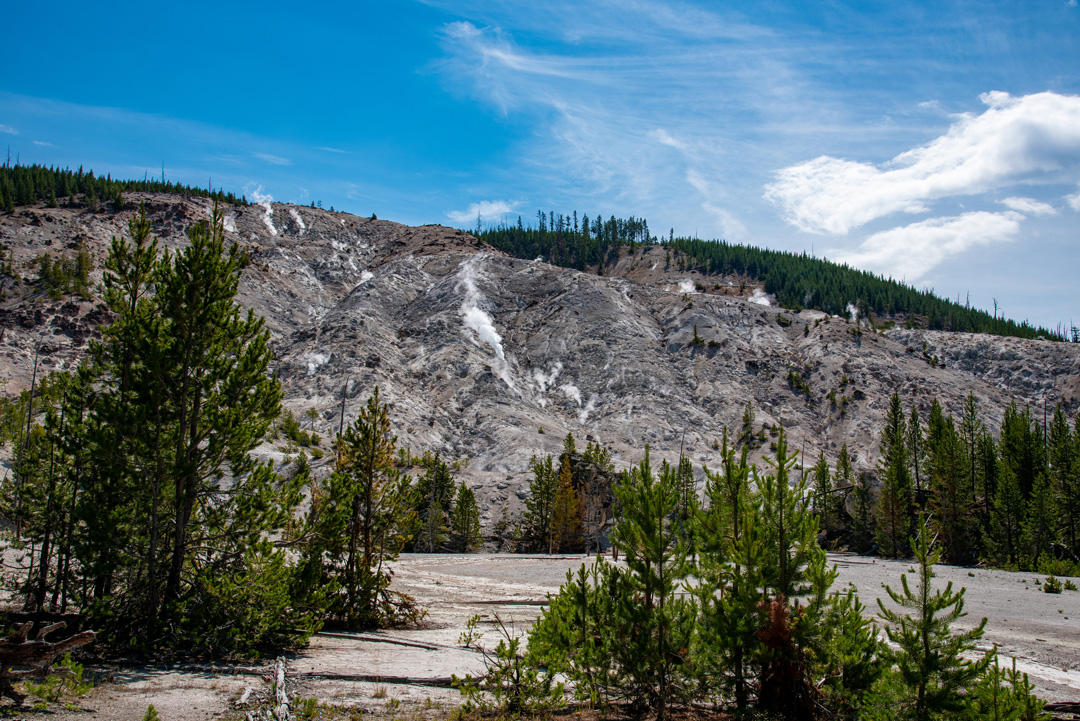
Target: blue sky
x=936 y=142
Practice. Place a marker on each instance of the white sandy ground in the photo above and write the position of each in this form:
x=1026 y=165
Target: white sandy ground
x=1040 y=630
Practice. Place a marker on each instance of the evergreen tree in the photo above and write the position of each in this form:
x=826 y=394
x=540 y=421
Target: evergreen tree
x=746 y=434
x=1007 y=517
x=970 y=430
x=730 y=565
x=465 y=521
x=952 y=518
x=654 y=621
x=862 y=522
x=434 y=496
x=1064 y=450
x=536 y=524
x=151 y=544
x=894 y=505
x=824 y=500
x=929 y=656
x=565 y=533
x=362 y=517
x=1040 y=522
x=916 y=449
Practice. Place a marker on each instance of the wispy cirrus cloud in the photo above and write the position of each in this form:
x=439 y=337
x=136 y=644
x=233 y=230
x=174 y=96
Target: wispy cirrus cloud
x=488 y=211
x=42 y=144
x=8 y=130
x=272 y=159
x=642 y=115
x=1034 y=139
x=911 y=251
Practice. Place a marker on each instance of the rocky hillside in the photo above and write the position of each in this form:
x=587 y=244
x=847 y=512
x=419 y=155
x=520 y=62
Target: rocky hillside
x=495 y=359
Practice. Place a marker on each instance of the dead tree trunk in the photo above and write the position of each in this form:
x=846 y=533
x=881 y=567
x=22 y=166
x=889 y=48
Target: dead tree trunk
x=20 y=658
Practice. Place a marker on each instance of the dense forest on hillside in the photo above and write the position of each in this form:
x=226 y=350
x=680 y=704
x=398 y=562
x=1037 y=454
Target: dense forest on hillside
x=796 y=279
x=32 y=184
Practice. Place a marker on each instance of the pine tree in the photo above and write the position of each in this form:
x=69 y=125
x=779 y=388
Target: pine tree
x=654 y=623
x=364 y=514
x=434 y=494
x=565 y=513
x=916 y=449
x=731 y=548
x=952 y=518
x=1040 y=522
x=794 y=566
x=1064 y=452
x=465 y=521
x=536 y=524
x=970 y=430
x=824 y=502
x=862 y=522
x=746 y=433
x=1007 y=516
x=930 y=657
x=894 y=505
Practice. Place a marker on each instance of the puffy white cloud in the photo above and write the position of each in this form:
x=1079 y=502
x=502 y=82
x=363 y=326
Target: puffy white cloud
x=1029 y=206
x=486 y=210
x=1073 y=200
x=909 y=252
x=1018 y=140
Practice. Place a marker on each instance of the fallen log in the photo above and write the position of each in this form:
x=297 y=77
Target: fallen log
x=1072 y=707
x=20 y=658
x=436 y=681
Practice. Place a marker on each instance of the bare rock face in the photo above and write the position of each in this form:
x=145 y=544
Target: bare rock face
x=496 y=359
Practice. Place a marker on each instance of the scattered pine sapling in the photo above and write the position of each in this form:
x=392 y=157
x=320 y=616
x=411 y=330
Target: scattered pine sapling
x=929 y=656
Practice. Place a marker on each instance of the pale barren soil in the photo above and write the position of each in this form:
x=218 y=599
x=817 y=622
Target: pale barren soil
x=1042 y=631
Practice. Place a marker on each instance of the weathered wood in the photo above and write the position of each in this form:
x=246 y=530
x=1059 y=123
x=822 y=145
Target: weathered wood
x=1072 y=707
x=435 y=681
x=20 y=658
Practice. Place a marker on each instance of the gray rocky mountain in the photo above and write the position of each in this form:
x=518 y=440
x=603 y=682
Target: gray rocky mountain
x=494 y=359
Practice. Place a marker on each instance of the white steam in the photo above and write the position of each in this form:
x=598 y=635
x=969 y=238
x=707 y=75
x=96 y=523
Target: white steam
x=543 y=380
x=853 y=312
x=583 y=414
x=230 y=224
x=265 y=199
x=315 y=361
x=366 y=275
x=299 y=221
x=760 y=297
x=471 y=313
x=686 y=286
x=571 y=391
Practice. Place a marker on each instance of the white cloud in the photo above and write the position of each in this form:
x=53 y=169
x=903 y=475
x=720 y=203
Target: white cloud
x=488 y=211
x=664 y=138
x=273 y=159
x=42 y=144
x=911 y=251
x=1073 y=200
x=8 y=129
x=332 y=150
x=1029 y=206
x=636 y=115
x=1034 y=139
